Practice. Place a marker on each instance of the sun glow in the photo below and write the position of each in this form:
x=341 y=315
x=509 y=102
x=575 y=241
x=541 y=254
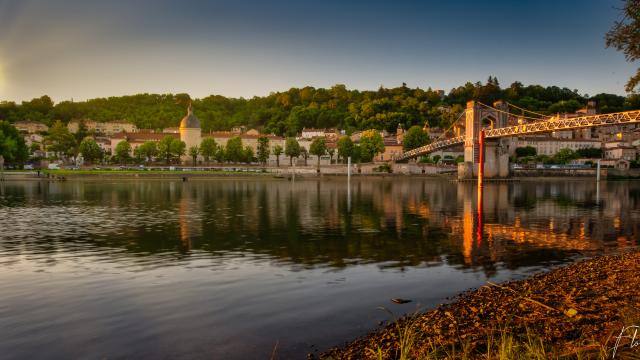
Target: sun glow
x=2 y=77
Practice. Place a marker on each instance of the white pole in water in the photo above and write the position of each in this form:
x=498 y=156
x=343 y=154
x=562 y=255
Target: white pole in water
x=598 y=171
x=349 y=184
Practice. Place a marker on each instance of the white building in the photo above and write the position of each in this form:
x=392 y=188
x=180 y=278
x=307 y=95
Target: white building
x=550 y=146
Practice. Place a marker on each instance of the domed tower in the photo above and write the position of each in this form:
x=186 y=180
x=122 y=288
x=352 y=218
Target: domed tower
x=190 y=131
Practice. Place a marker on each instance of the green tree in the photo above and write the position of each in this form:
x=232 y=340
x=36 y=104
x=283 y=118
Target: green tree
x=12 y=146
x=248 y=154
x=263 y=149
x=148 y=150
x=414 y=138
x=436 y=159
x=193 y=152
x=371 y=144
x=208 y=148
x=331 y=152
x=526 y=151
x=233 y=150
x=178 y=148
x=170 y=147
x=219 y=156
x=564 y=156
x=60 y=140
x=34 y=147
x=356 y=153
x=82 y=131
x=277 y=151
x=291 y=149
x=593 y=153
x=318 y=148
x=123 y=151
x=305 y=154
x=625 y=36
x=345 y=148
x=90 y=150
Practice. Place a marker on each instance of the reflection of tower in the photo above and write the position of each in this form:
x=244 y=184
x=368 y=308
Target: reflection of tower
x=188 y=218
x=468 y=219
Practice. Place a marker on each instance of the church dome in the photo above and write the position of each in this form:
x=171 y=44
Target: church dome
x=190 y=121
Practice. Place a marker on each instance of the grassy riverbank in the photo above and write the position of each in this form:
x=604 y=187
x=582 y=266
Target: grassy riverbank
x=577 y=311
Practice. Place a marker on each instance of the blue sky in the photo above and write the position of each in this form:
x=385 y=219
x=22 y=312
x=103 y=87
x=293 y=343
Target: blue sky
x=84 y=49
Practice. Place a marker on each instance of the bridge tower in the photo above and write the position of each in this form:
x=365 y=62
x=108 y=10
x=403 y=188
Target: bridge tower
x=477 y=117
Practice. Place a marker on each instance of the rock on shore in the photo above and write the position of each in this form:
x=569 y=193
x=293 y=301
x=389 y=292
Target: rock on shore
x=576 y=310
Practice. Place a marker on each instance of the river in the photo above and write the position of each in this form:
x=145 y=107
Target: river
x=242 y=268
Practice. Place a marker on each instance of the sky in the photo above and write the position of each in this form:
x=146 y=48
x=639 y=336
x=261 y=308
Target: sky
x=73 y=49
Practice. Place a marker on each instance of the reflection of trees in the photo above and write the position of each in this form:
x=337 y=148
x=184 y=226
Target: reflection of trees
x=395 y=223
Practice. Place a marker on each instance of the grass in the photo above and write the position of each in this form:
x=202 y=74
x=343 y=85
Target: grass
x=501 y=344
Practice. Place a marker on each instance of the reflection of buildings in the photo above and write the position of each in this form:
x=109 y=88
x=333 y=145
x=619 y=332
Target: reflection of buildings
x=393 y=222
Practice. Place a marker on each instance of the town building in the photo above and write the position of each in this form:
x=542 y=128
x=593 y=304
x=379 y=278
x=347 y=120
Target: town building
x=392 y=149
x=30 y=127
x=310 y=133
x=619 y=150
x=550 y=146
x=105 y=128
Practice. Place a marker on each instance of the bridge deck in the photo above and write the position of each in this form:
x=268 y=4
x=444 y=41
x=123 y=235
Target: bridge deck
x=619 y=118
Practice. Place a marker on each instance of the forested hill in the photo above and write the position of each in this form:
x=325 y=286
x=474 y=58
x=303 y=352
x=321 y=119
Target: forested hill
x=288 y=112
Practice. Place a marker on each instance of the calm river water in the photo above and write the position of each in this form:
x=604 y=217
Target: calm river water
x=233 y=268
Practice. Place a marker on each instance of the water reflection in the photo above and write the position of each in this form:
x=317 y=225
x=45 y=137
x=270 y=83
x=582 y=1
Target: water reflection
x=316 y=223
x=256 y=261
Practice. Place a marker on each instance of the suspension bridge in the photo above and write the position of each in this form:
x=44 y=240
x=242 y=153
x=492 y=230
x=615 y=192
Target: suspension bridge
x=485 y=126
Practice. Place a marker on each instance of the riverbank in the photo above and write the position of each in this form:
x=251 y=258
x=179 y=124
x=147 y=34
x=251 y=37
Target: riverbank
x=575 y=311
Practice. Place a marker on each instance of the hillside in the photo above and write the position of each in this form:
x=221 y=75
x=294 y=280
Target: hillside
x=288 y=112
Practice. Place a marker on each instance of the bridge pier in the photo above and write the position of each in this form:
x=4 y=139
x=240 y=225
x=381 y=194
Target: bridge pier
x=496 y=157
x=496 y=163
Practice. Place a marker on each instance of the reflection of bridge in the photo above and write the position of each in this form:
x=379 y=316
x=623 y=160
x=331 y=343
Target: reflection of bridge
x=496 y=155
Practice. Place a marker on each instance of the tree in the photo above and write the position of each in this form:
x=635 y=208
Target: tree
x=318 y=148
x=305 y=155
x=436 y=159
x=356 y=153
x=60 y=140
x=219 y=155
x=193 y=152
x=331 y=152
x=208 y=148
x=277 y=151
x=233 y=150
x=263 y=149
x=292 y=149
x=34 y=147
x=345 y=147
x=371 y=144
x=90 y=150
x=12 y=146
x=414 y=138
x=593 y=153
x=148 y=150
x=123 y=151
x=82 y=131
x=170 y=147
x=248 y=154
x=564 y=156
x=526 y=151
x=625 y=36
x=178 y=148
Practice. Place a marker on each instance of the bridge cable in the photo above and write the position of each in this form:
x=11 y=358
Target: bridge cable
x=529 y=111
x=508 y=113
